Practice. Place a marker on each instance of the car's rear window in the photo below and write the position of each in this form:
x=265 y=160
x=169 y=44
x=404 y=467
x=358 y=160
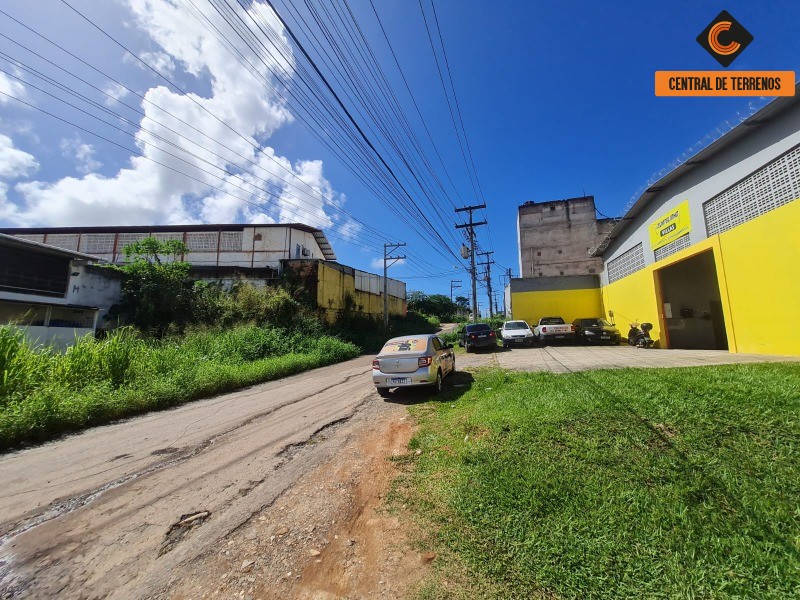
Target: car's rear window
x=595 y=323
x=479 y=327
x=516 y=325
x=552 y=321
x=405 y=345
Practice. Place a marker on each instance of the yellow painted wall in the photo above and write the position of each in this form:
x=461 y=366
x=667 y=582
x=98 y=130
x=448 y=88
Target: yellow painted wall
x=568 y=304
x=761 y=259
x=633 y=299
x=756 y=265
x=333 y=286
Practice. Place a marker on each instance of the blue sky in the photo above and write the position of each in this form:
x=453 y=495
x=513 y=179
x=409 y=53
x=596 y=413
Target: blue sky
x=557 y=100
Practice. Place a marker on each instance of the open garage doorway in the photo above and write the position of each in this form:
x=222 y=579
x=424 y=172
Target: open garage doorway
x=691 y=304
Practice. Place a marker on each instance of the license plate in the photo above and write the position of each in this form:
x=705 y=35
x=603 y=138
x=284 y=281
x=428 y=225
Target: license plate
x=400 y=380
x=480 y=337
x=605 y=337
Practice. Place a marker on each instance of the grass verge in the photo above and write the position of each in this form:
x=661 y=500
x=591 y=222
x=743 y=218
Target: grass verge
x=607 y=484
x=45 y=393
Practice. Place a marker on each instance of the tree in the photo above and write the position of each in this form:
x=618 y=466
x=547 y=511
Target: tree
x=156 y=288
x=462 y=302
x=437 y=305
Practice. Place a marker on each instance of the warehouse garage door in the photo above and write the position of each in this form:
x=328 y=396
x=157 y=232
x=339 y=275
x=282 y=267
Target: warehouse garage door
x=691 y=305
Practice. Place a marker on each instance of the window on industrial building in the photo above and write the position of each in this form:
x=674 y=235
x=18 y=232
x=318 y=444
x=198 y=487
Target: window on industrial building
x=202 y=241
x=165 y=237
x=540 y=273
x=231 y=241
x=126 y=239
x=32 y=237
x=773 y=185
x=97 y=243
x=673 y=247
x=626 y=263
x=67 y=241
x=538 y=254
x=561 y=272
x=559 y=251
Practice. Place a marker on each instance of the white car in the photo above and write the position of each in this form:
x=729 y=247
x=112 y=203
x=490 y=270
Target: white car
x=516 y=333
x=412 y=361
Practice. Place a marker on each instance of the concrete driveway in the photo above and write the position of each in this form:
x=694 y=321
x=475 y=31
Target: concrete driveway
x=567 y=358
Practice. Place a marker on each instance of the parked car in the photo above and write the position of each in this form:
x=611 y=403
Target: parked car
x=595 y=331
x=478 y=335
x=516 y=333
x=412 y=361
x=553 y=328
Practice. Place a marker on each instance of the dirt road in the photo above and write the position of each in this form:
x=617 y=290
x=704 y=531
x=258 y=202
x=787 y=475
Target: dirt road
x=130 y=510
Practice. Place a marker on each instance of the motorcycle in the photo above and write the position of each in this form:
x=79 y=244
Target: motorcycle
x=640 y=337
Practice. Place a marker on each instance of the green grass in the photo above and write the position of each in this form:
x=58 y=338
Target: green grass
x=45 y=393
x=655 y=483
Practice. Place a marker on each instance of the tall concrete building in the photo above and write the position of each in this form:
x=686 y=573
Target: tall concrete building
x=555 y=237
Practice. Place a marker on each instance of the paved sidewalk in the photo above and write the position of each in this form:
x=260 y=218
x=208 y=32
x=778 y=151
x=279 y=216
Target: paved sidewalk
x=564 y=359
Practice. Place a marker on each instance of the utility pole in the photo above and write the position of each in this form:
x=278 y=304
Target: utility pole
x=508 y=282
x=453 y=286
x=470 y=227
x=488 y=265
x=387 y=250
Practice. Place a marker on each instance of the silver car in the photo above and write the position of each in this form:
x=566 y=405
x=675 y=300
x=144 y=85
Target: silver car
x=412 y=361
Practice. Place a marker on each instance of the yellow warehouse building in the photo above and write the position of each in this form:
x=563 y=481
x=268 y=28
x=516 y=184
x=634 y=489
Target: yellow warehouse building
x=708 y=254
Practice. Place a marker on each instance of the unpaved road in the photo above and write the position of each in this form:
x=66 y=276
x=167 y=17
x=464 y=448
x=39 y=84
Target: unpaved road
x=129 y=510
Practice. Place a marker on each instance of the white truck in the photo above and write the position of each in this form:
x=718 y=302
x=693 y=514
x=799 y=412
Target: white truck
x=553 y=328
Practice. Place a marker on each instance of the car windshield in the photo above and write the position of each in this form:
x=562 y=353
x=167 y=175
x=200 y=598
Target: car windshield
x=516 y=325
x=405 y=345
x=551 y=321
x=478 y=327
x=595 y=323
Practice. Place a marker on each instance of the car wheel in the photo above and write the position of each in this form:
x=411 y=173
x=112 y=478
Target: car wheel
x=437 y=387
x=466 y=347
x=542 y=342
x=383 y=392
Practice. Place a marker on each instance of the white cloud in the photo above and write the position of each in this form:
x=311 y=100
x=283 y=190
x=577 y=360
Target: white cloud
x=80 y=152
x=145 y=192
x=377 y=263
x=15 y=163
x=10 y=87
x=116 y=91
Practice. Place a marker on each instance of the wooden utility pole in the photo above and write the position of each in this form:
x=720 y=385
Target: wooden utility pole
x=387 y=250
x=470 y=227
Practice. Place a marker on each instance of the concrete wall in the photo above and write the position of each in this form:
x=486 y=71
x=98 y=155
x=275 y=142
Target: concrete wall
x=554 y=237
x=569 y=297
x=331 y=284
x=59 y=338
x=91 y=285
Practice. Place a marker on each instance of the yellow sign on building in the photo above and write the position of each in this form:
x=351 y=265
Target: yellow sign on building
x=670 y=226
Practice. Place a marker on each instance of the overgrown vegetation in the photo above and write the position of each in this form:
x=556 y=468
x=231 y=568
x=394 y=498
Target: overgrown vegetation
x=613 y=484
x=44 y=393
x=186 y=340
x=439 y=306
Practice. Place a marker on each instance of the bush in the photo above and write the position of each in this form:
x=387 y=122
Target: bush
x=44 y=393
